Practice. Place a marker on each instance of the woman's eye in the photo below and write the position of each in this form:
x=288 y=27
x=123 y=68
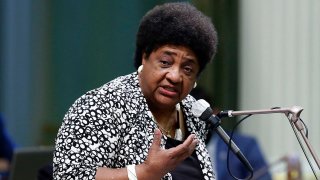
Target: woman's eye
x=188 y=69
x=164 y=62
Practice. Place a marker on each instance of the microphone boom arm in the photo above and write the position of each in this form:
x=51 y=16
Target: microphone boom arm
x=294 y=111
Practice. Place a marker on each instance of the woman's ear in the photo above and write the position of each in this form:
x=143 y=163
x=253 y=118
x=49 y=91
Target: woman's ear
x=144 y=58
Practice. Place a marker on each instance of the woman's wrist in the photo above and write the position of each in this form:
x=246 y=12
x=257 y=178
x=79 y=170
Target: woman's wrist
x=144 y=172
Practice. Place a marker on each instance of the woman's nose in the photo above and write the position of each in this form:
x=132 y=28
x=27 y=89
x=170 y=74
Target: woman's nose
x=174 y=75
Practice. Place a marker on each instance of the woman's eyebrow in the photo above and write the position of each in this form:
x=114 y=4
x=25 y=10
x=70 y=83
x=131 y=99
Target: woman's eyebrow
x=170 y=53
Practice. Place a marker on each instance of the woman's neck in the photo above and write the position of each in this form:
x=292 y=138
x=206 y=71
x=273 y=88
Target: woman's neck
x=164 y=117
x=166 y=120
x=161 y=113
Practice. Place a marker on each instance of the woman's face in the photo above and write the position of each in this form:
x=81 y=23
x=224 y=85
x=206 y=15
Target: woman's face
x=168 y=75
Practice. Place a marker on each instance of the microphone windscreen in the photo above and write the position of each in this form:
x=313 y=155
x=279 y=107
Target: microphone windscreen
x=199 y=107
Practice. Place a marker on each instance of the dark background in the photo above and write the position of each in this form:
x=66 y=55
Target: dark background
x=52 y=52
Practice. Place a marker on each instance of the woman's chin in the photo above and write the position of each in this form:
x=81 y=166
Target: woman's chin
x=166 y=102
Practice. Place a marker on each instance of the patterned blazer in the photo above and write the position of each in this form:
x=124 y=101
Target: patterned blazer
x=112 y=126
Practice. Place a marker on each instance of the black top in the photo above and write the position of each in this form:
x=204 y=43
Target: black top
x=189 y=168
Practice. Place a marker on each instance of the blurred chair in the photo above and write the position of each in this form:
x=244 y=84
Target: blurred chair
x=27 y=162
x=46 y=172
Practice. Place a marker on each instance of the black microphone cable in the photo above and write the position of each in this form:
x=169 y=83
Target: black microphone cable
x=229 y=149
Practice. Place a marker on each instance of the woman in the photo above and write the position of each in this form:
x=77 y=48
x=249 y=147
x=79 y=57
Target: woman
x=139 y=126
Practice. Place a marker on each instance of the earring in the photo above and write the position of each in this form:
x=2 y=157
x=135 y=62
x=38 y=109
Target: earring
x=140 y=68
x=195 y=85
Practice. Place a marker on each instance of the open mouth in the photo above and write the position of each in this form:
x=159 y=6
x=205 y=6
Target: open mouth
x=169 y=91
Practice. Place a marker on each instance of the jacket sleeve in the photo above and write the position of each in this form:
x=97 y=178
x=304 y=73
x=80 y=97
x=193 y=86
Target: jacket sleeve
x=87 y=139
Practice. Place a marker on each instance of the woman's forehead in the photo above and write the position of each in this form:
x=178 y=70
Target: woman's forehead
x=177 y=50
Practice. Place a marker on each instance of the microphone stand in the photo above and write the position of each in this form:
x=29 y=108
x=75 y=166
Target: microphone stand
x=294 y=119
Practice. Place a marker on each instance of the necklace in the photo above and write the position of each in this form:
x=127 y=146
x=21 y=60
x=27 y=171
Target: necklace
x=178 y=132
x=166 y=131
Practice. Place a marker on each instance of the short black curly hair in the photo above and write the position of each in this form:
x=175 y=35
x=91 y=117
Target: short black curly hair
x=177 y=23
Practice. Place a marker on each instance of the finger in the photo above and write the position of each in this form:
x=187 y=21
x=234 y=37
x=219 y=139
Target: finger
x=186 y=148
x=191 y=141
x=193 y=145
x=156 y=138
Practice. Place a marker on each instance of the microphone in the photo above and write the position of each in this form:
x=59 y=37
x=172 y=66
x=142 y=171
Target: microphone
x=226 y=113
x=202 y=110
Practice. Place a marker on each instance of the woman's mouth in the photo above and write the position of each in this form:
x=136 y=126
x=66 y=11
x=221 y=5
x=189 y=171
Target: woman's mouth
x=168 y=91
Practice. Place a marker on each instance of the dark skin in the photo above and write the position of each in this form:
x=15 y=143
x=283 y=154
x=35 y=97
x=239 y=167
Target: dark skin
x=159 y=162
x=168 y=76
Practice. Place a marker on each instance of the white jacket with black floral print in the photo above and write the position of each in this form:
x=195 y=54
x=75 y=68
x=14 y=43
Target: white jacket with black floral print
x=112 y=126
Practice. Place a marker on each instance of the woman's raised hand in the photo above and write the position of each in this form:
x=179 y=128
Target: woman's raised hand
x=160 y=161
